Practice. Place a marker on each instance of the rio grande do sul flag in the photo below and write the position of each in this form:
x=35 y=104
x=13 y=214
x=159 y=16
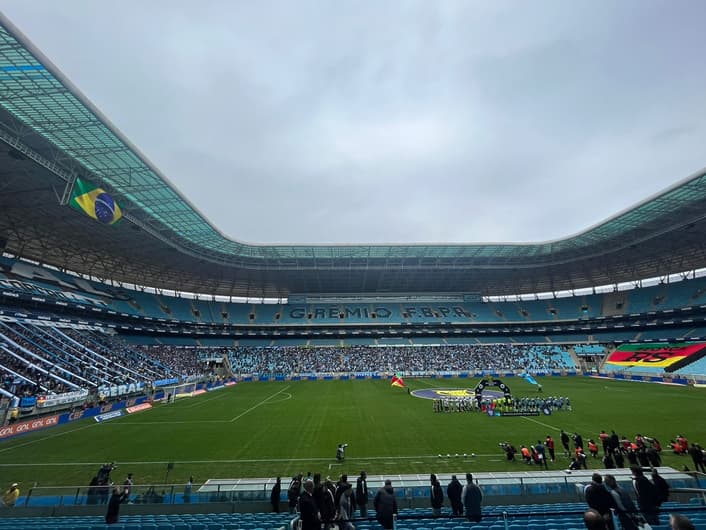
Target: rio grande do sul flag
x=397 y=381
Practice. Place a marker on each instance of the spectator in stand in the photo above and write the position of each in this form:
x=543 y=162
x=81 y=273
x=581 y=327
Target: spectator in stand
x=647 y=496
x=187 y=490
x=600 y=499
x=112 y=515
x=346 y=507
x=624 y=507
x=361 y=493
x=293 y=492
x=594 y=520
x=662 y=487
x=454 y=491
x=308 y=511
x=680 y=522
x=386 y=506
x=437 y=497
x=275 y=495
x=472 y=499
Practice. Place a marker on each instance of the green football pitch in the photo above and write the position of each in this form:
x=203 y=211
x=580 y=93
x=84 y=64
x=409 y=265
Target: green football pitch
x=283 y=428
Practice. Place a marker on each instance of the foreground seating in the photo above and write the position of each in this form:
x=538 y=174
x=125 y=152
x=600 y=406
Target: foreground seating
x=558 y=516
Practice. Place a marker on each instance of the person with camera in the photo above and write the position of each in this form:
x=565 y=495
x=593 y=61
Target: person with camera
x=341 y=452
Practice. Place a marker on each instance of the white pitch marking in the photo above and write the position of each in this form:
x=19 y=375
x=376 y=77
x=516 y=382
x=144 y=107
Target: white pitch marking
x=201 y=402
x=235 y=461
x=541 y=423
x=48 y=437
x=289 y=396
x=261 y=403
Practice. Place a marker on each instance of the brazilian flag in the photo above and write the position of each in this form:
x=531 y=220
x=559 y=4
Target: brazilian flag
x=95 y=202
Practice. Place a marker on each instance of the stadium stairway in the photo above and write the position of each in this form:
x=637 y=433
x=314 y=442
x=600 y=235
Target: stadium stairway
x=557 y=516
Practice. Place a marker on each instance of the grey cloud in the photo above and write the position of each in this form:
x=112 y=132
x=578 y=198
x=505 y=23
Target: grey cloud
x=371 y=121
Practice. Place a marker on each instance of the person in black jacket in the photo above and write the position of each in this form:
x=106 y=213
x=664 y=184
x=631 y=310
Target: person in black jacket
x=113 y=512
x=293 y=492
x=472 y=499
x=308 y=511
x=697 y=456
x=600 y=499
x=386 y=505
x=647 y=496
x=361 y=493
x=662 y=487
x=565 y=442
x=275 y=494
x=453 y=492
x=437 y=498
x=323 y=498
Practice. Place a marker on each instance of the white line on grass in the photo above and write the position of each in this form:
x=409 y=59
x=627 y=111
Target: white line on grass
x=235 y=461
x=261 y=403
x=201 y=402
x=48 y=437
x=170 y=422
x=541 y=423
x=287 y=398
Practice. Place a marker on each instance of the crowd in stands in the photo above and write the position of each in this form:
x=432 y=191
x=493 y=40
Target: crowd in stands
x=181 y=362
x=37 y=360
x=286 y=360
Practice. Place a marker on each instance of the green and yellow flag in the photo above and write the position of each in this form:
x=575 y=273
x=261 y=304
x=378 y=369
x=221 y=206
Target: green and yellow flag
x=95 y=202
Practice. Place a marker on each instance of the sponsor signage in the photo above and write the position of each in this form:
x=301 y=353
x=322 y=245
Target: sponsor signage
x=109 y=415
x=198 y=392
x=163 y=382
x=667 y=355
x=121 y=390
x=61 y=399
x=138 y=408
x=28 y=426
x=28 y=402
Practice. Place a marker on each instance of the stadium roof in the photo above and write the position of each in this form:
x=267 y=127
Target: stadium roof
x=54 y=134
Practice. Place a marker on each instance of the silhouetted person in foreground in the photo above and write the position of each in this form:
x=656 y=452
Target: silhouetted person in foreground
x=116 y=499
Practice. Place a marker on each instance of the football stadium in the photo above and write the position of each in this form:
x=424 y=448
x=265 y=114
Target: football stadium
x=153 y=366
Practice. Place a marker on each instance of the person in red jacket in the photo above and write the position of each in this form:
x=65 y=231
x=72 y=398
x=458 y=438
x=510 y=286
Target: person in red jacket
x=593 y=448
x=550 y=446
x=604 y=441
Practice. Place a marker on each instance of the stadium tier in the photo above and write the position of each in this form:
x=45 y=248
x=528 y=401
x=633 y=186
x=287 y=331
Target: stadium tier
x=52 y=289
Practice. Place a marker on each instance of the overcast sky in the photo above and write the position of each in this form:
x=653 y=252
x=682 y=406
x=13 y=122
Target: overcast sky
x=381 y=121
